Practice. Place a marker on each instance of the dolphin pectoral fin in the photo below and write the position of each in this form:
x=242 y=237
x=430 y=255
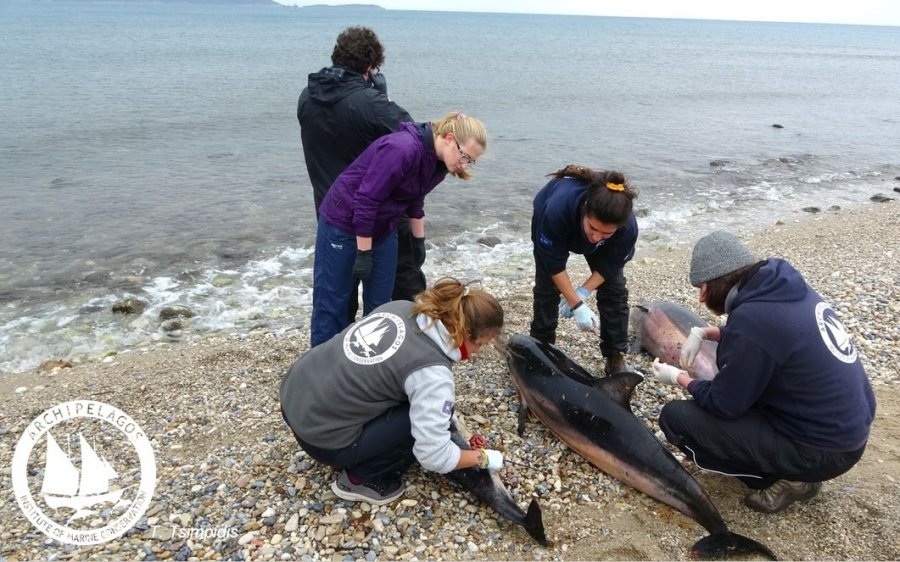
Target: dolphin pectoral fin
x=718 y=546
x=523 y=415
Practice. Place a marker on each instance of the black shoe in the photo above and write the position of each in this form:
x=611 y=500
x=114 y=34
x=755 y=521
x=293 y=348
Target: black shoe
x=780 y=495
x=615 y=364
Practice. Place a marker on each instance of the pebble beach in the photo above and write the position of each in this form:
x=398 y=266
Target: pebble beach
x=233 y=484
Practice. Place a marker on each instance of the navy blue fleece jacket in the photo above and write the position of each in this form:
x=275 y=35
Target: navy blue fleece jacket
x=784 y=351
x=557 y=230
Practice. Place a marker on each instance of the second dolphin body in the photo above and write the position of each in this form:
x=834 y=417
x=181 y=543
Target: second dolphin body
x=593 y=417
x=662 y=327
x=488 y=488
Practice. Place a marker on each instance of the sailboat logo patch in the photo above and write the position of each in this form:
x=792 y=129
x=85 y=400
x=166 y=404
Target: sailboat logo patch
x=374 y=338
x=834 y=334
x=83 y=472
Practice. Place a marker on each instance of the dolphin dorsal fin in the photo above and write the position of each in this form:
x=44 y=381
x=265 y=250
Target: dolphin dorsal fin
x=619 y=387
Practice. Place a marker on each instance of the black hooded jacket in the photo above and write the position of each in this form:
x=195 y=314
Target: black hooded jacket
x=340 y=114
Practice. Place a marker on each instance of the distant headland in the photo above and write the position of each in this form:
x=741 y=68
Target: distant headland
x=210 y=2
x=311 y=7
x=340 y=7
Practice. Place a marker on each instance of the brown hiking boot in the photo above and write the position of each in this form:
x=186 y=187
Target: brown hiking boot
x=780 y=495
x=615 y=364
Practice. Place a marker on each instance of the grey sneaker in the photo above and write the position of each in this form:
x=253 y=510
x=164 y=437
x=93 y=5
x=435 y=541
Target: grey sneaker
x=375 y=493
x=780 y=495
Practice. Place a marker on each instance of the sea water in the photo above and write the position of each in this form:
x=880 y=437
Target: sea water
x=152 y=150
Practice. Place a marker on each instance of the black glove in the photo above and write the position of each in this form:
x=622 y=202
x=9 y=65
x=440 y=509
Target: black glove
x=362 y=267
x=378 y=81
x=418 y=251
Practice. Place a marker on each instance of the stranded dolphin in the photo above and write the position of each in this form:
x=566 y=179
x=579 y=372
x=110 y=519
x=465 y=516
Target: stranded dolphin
x=593 y=417
x=662 y=327
x=487 y=487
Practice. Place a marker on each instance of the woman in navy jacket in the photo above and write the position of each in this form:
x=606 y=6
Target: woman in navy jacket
x=589 y=212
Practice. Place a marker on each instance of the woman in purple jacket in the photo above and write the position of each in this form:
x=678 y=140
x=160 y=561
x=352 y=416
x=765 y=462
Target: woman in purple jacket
x=357 y=233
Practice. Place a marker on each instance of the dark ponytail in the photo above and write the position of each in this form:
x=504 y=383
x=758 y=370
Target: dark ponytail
x=610 y=198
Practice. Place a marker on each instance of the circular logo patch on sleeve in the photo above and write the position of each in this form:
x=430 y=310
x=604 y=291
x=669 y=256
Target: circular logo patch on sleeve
x=835 y=336
x=374 y=338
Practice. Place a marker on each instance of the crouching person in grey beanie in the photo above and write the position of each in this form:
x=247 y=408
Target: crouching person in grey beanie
x=791 y=405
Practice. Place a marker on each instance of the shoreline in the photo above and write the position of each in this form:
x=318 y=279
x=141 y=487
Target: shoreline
x=94 y=333
x=225 y=460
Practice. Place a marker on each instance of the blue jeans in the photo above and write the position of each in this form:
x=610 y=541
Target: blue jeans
x=333 y=282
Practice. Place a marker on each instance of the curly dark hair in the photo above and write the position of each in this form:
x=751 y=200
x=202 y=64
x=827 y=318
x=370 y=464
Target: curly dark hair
x=358 y=48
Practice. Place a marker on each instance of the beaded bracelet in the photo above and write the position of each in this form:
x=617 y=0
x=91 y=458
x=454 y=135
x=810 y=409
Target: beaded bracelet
x=482 y=458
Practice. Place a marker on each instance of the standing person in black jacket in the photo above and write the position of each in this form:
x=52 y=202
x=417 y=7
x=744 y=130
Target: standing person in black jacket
x=341 y=111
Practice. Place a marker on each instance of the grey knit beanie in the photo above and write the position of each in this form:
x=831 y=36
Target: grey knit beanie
x=716 y=254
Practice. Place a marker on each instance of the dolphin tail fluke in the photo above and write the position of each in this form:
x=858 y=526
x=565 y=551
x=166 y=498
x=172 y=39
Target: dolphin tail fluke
x=534 y=523
x=718 y=546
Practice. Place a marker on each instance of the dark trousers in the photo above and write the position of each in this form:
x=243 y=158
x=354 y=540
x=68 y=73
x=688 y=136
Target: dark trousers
x=612 y=306
x=409 y=280
x=384 y=449
x=748 y=448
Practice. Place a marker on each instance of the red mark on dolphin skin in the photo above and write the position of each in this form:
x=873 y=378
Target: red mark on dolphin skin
x=478 y=442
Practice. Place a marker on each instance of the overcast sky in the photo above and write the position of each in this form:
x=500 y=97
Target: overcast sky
x=872 y=12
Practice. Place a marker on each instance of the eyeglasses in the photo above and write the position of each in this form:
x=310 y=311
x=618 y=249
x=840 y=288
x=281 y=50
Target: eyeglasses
x=465 y=158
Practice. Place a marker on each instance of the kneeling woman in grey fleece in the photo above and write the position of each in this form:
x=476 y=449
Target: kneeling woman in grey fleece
x=380 y=394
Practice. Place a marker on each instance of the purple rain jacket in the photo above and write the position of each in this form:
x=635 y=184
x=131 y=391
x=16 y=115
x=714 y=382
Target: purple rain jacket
x=389 y=179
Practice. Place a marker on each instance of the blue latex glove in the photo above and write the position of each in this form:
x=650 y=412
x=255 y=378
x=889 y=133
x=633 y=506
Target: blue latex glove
x=565 y=310
x=586 y=319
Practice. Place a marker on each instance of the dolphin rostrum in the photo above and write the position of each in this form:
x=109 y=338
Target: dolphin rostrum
x=488 y=487
x=662 y=327
x=593 y=417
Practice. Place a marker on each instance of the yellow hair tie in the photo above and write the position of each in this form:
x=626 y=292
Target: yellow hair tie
x=615 y=186
x=465 y=292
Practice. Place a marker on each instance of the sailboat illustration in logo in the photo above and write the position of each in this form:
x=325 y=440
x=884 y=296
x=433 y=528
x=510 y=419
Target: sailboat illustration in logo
x=65 y=485
x=374 y=339
x=368 y=335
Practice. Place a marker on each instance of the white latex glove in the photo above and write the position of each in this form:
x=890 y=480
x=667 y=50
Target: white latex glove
x=565 y=310
x=665 y=373
x=586 y=319
x=691 y=347
x=495 y=459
